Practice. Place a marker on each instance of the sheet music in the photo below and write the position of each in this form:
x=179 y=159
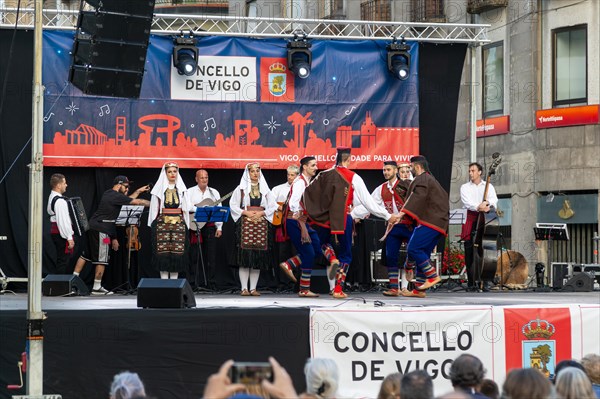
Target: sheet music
x=129 y=214
x=458 y=216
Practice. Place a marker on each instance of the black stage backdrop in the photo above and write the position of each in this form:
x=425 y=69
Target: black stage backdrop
x=440 y=72
x=174 y=351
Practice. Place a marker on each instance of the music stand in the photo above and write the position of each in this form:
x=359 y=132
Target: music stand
x=203 y=215
x=129 y=216
x=550 y=232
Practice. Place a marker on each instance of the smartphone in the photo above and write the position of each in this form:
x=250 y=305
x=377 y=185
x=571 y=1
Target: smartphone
x=250 y=373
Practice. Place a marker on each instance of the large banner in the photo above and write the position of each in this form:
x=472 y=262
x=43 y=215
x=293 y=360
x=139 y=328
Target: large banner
x=369 y=343
x=242 y=105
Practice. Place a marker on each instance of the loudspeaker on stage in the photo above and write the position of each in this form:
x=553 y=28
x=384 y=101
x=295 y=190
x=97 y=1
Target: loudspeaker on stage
x=63 y=284
x=164 y=293
x=580 y=282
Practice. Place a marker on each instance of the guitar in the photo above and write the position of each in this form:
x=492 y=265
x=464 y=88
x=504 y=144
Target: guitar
x=278 y=215
x=203 y=204
x=485 y=252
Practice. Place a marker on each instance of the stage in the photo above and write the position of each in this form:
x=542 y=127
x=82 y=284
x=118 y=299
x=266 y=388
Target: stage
x=89 y=339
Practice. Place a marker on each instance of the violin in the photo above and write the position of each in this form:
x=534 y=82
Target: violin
x=133 y=239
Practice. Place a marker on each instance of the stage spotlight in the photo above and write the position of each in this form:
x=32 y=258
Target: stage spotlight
x=299 y=56
x=398 y=59
x=185 y=55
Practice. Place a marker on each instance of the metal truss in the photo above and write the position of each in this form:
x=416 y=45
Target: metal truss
x=212 y=25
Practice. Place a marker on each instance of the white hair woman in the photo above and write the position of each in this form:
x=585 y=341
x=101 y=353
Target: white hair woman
x=252 y=207
x=322 y=378
x=127 y=385
x=169 y=219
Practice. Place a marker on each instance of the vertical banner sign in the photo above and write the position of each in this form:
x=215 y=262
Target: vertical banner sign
x=242 y=104
x=367 y=345
x=537 y=338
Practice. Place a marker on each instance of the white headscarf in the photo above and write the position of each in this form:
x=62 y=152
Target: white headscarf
x=267 y=200
x=158 y=193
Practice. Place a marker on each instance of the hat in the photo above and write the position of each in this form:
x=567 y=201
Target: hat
x=390 y=163
x=306 y=160
x=120 y=180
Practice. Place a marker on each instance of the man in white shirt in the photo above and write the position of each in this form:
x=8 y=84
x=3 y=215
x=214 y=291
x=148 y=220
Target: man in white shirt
x=203 y=266
x=281 y=191
x=471 y=195
x=61 y=229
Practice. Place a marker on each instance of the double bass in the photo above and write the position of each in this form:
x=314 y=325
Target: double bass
x=485 y=236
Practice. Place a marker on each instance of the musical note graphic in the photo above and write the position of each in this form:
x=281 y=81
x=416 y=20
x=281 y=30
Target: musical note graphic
x=212 y=125
x=47 y=117
x=349 y=111
x=103 y=108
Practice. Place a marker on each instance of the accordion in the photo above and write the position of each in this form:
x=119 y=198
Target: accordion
x=77 y=214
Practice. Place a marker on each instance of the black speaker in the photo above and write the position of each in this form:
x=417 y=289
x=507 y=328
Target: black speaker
x=580 y=282
x=560 y=271
x=109 y=51
x=63 y=284
x=159 y=293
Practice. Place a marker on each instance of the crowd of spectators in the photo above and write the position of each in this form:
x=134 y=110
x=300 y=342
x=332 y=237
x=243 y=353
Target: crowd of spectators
x=571 y=380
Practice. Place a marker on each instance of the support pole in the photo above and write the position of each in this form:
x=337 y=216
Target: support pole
x=35 y=316
x=473 y=106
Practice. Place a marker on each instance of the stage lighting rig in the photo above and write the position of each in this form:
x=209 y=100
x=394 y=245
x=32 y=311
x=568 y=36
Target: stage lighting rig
x=185 y=54
x=398 y=59
x=299 y=56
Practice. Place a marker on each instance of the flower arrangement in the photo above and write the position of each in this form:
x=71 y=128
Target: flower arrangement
x=453 y=260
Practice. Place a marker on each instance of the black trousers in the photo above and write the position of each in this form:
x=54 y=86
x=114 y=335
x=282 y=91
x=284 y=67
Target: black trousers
x=62 y=258
x=208 y=259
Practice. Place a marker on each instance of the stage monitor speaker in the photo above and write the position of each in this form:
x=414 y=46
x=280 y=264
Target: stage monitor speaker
x=109 y=51
x=560 y=272
x=580 y=282
x=63 y=284
x=159 y=293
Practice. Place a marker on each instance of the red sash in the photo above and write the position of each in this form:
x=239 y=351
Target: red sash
x=467 y=227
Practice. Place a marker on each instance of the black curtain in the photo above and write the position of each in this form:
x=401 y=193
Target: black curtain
x=440 y=68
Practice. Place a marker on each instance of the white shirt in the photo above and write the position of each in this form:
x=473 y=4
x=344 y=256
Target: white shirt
x=360 y=212
x=281 y=192
x=60 y=216
x=471 y=195
x=196 y=196
x=298 y=188
x=362 y=197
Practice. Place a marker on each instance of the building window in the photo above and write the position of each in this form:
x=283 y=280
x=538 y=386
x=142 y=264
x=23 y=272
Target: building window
x=569 y=67
x=428 y=11
x=493 y=79
x=376 y=10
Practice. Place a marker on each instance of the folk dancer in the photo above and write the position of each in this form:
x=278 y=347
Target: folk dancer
x=303 y=237
x=391 y=195
x=103 y=230
x=169 y=220
x=427 y=203
x=328 y=201
x=252 y=206
x=208 y=233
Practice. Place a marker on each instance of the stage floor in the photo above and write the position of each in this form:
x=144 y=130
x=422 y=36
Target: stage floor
x=441 y=297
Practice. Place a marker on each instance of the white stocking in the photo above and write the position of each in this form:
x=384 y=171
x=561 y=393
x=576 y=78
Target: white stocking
x=254 y=275
x=173 y=275
x=244 y=273
x=404 y=284
x=164 y=275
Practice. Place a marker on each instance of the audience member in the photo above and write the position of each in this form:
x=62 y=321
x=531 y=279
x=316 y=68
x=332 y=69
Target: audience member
x=416 y=385
x=466 y=373
x=390 y=387
x=321 y=378
x=563 y=364
x=591 y=365
x=489 y=388
x=527 y=383
x=219 y=386
x=127 y=385
x=573 y=383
